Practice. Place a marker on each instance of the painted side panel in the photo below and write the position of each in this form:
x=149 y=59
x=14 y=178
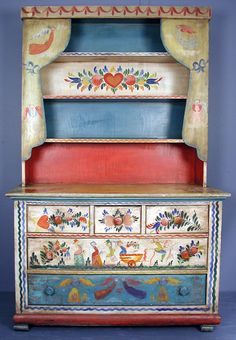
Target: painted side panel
x=114 y=290
x=109 y=119
x=117 y=253
x=94 y=35
x=112 y=163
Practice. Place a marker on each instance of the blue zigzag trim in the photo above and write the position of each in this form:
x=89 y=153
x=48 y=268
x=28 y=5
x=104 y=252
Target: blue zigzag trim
x=122 y=309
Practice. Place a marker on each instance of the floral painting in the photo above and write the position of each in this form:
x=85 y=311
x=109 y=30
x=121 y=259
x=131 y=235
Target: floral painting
x=118 y=220
x=113 y=79
x=60 y=219
x=117 y=253
x=175 y=219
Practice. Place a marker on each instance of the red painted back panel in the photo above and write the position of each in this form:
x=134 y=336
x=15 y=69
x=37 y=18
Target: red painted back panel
x=112 y=163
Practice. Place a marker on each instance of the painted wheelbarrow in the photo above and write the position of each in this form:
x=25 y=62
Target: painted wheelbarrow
x=131 y=259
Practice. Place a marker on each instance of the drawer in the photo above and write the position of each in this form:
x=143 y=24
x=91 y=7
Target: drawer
x=116 y=290
x=58 y=218
x=117 y=219
x=177 y=219
x=117 y=253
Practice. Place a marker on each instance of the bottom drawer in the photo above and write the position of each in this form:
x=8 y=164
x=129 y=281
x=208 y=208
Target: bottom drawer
x=116 y=290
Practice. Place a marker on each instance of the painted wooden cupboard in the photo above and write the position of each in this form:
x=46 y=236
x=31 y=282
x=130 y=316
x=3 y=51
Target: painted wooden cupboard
x=114 y=222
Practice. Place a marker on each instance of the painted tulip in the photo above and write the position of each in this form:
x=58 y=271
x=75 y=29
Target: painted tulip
x=97 y=80
x=130 y=80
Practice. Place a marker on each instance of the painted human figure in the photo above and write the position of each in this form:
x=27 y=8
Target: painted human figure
x=96 y=258
x=123 y=249
x=111 y=252
x=159 y=249
x=78 y=255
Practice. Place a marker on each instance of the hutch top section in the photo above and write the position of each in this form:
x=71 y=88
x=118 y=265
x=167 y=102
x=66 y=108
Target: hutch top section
x=151 y=61
x=116 y=12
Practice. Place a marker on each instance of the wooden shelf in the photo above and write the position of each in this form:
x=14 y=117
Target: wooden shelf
x=93 y=140
x=161 y=191
x=149 y=57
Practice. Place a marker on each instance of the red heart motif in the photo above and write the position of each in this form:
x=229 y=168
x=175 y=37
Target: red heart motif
x=113 y=80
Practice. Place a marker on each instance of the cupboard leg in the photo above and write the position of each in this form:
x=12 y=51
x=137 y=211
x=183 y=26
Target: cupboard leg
x=21 y=327
x=206 y=328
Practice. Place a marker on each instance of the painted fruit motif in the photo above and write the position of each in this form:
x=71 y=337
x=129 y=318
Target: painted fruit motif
x=49 y=255
x=118 y=221
x=43 y=222
x=164 y=222
x=185 y=255
x=130 y=80
x=193 y=250
x=57 y=219
x=97 y=80
x=178 y=220
x=83 y=219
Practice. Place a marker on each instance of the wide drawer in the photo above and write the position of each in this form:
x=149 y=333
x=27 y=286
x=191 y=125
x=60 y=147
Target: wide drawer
x=177 y=218
x=58 y=218
x=117 y=253
x=116 y=290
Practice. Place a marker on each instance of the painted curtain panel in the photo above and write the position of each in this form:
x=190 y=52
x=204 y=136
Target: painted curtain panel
x=187 y=42
x=43 y=41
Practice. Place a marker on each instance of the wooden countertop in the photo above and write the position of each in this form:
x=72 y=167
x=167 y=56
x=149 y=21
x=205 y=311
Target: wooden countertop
x=118 y=190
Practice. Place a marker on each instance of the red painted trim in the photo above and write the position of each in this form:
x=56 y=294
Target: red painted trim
x=112 y=163
x=117 y=319
x=113 y=97
x=148 y=11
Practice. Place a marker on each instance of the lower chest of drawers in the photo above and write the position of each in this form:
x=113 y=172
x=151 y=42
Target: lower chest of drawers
x=123 y=256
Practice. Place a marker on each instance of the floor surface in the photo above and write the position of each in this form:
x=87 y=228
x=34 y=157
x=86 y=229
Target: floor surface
x=225 y=331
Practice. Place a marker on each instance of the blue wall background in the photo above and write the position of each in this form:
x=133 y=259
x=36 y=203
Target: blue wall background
x=222 y=119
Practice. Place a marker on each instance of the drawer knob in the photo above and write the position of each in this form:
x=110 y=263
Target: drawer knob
x=183 y=291
x=49 y=291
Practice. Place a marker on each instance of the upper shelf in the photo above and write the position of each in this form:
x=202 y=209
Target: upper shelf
x=115 y=75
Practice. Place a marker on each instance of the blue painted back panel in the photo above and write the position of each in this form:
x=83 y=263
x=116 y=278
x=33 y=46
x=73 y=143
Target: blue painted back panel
x=110 y=119
x=127 y=290
x=94 y=35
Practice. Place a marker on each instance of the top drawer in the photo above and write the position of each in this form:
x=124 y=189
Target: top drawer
x=58 y=218
x=117 y=219
x=177 y=218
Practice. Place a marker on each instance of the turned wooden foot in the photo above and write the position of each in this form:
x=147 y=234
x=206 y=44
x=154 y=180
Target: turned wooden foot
x=207 y=328
x=21 y=326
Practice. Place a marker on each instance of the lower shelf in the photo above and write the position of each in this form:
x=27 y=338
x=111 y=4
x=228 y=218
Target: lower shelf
x=117 y=320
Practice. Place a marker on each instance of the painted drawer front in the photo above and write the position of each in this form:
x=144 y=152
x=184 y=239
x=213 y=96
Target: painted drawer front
x=177 y=219
x=116 y=290
x=117 y=253
x=58 y=218
x=118 y=220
